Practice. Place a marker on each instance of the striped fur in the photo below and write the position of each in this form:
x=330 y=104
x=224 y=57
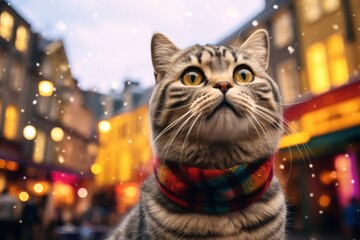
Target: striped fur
x=191 y=125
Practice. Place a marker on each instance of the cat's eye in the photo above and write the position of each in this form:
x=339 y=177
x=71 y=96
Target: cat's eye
x=192 y=77
x=243 y=74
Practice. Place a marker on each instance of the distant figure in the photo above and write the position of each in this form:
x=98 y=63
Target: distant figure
x=352 y=218
x=30 y=219
x=9 y=215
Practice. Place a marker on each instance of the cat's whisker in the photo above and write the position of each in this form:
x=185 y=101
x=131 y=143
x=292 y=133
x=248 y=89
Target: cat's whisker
x=187 y=136
x=170 y=126
x=265 y=114
x=174 y=135
x=261 y=126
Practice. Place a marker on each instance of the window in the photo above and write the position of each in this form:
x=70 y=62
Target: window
x=327 y=64
x=16 y=80
x=6 y=25
x=11 y=122
x=312 y=10
x=318 y=68
x=330 y=5
x=54 y=109
x=287 y=76
x=282 y=29
x=43 y=104
x=339 y=72
x=39 y=147
x=22 y=36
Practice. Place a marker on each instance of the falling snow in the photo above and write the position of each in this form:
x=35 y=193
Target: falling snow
x=291 y=49
x=255 y=23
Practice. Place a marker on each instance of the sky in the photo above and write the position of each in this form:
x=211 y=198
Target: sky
x=108 y=42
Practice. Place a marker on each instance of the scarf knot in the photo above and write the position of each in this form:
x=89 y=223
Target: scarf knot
x=214 y=191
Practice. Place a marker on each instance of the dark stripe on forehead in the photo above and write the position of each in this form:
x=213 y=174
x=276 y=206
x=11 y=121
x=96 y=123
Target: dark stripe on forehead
x=199 y=56
x=233 y=53
x=224 y=52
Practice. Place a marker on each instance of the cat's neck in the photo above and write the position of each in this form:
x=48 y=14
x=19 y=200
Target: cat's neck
x=213 y=155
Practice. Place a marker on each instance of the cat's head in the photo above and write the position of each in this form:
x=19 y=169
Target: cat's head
x=214 y=98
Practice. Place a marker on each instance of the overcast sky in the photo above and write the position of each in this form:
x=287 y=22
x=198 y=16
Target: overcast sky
x=109 y=41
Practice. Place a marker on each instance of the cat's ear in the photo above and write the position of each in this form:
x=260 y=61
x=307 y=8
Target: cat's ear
x=162 y=49
x=257 y=45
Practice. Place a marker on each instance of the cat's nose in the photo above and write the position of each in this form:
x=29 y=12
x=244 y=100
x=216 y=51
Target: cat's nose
x=223 y=86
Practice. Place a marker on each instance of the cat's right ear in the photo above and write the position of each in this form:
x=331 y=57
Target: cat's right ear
x=162 y=49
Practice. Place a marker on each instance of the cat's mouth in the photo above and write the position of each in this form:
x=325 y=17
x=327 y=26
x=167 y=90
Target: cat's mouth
x=223 y=105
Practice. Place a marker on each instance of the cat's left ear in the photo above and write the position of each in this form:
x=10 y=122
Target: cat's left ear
x=257 y=45
x=162 y=49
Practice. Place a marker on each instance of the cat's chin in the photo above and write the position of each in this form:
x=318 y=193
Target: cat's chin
x=225 y=125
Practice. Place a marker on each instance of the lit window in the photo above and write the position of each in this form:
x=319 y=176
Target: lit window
x=11 y=122
x=283 y=30
x=330 y=5
x=312 y=10
x=6 y=25
x=39 y=147
x=16 y=81
x=22 y=35
x=318 y=68
x=287 y=76
x=338 y=66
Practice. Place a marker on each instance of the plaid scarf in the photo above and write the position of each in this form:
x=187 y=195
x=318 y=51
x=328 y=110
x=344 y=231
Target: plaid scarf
x=214 y=191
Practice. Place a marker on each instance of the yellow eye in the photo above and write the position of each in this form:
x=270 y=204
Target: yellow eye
x=243 y=74
x=192 y=77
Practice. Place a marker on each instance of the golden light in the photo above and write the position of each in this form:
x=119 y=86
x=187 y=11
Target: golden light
x=82 y=193
x=324 y=200
x=96 y=169
x=12 y=166
x=294 y=139
x=104 y=126
x=57 y=134
x=29 y=132
x=2 y=163
x=24 y=196
x=38 y=188
x=130 y=191
x=45 y=88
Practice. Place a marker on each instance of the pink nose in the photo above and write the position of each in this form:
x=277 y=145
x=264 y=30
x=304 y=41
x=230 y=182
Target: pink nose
x=223 y=86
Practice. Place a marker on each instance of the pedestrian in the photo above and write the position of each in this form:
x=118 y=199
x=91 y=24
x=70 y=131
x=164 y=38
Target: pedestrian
x=30 y=219
x=352 y=218
x=9 y=216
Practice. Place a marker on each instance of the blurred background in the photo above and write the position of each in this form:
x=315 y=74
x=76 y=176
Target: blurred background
x=74 y=134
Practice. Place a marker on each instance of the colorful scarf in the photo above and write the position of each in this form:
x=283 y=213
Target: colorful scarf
x=214 y=191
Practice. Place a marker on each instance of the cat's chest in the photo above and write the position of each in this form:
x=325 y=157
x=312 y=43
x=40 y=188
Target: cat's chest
x=258 y=219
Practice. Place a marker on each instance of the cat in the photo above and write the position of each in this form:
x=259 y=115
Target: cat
x=215 y=126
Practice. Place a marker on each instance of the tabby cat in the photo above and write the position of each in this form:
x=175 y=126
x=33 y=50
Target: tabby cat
x=216 y=122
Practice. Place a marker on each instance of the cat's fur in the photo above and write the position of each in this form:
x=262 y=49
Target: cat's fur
x=187 y=128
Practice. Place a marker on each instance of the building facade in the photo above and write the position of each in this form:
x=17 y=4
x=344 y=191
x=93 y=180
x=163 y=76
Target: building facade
x=48 y=138
x=315 y=60
x=124 y=155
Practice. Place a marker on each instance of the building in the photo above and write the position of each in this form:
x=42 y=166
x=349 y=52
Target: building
x=315 y=60
x=124 y=156
x=48 y=138
x=16 y=40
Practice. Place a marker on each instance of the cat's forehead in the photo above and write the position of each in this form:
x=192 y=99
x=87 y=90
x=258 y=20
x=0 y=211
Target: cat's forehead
x=215 y=57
